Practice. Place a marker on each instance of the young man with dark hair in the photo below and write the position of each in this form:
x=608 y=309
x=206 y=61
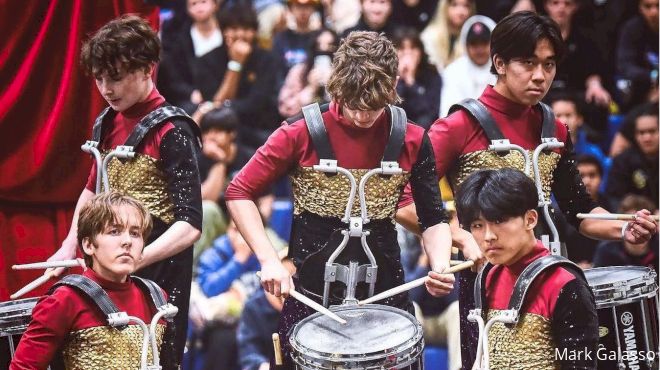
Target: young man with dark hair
x=111 y=230
x=558 y=311
x=525 y=49
x=163 y=173
x=354 y=129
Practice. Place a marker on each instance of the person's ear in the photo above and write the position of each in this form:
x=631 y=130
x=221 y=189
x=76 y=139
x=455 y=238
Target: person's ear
x=396 y=81
x=149 y=71
x=87 y=246
x=500 y=65
x=531 y=219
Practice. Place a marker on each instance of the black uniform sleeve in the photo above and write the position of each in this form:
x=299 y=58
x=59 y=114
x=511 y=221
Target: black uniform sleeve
x=568 y=189
x=575 y=326
x=179 y=152
x=425 y=189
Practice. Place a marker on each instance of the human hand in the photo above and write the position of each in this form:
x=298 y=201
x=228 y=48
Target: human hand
x=196 y=97
x=596 y=93
x=275 y=278
x=240 y=50
x=641 y=229
x=212 y=150
x=470 y=248
x=439 y=284
x=66 y=252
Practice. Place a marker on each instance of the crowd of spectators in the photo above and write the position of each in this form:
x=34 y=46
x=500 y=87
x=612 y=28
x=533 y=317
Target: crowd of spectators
x=240 y=67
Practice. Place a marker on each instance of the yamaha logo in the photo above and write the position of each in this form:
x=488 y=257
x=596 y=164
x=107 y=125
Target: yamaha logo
x=626 y=318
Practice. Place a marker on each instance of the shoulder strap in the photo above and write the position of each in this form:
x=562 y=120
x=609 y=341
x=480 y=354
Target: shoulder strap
x=154 y=118
x=316 y=128
x=531 y=272
x=97 y=130
x=151 y=288
x=89 y=288
x=480 y=113
x=397 y=134
x=480 y=286
x=548 y=125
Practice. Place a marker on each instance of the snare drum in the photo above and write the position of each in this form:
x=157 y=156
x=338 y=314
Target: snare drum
x=627 y=303
x=375 y=337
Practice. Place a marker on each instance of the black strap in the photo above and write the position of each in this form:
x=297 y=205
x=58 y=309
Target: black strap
x=548 y=126
x=152 y=289
x=154 y=118
x=397 y=134
x=531 y=272
x=316 y=128
x=91 y=289
x=480 y=113
x=97 y=130
x=480 y=285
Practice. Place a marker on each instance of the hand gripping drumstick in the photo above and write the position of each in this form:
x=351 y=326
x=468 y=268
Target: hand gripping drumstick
x=612 y=216
x=31 y=286
x=312 y=304
x=413 y=284
x=46 y=265
x=278 y=349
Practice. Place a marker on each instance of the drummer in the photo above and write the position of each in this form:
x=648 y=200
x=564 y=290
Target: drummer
x=558 y=328
x=357 y=129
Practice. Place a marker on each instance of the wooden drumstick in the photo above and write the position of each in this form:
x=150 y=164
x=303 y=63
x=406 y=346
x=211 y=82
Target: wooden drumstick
x=33 y=285
x=278 y=349
x=413 y=284
x=46 y=265
x=612 y=216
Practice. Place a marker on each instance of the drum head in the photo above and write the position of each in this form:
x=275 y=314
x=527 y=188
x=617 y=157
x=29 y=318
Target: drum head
x=16 y=315
x=616 y=285
x=369 y=329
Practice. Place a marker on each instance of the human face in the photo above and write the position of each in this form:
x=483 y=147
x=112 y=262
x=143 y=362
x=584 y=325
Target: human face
x=201 y=10
x=326 y=42
x=127 y=90
x=590 y=177
x=301 y=14
x=561 y=11
x=117 y=250
x=527 y=80
x=505 y=242
x=458 y=11
x=409 y=52
x=646 y=134
x=376 y=12
x=221 y=138
x=566 y=112
x=649 y=11
x=362 y=118
x=479 y=53
x=231 y=35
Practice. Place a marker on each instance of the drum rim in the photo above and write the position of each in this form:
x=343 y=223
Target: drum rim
x=406 y=347
x=14 y=320
x=622 y=292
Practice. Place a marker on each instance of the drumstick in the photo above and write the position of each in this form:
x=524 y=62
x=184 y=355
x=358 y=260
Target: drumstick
x=34 y=284
x=413 y=284
x=612 y=216
x=278 y=349
x=455 y=262
x=312 y=304
x=46 y=265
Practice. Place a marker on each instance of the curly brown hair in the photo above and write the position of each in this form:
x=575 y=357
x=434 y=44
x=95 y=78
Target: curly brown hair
x=125 y=44
x=364 y=72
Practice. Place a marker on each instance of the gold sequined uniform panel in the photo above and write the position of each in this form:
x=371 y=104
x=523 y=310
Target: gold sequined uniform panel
x=482 y=159
x=527 y=346
x=327 y=196
x=141 y=178
x=107 y=348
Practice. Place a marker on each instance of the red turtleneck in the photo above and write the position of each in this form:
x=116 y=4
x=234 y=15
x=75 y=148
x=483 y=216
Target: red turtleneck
x=123 y=124
x=66 y=311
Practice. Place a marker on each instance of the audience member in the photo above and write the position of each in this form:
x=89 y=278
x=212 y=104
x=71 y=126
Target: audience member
x=375 y=17
x=621 y=252
x=413 y=13
x=271 y=16
x=625 y=137
x=419 y=83
x=468 y=76
x=441 y=34
x=291 y=46
x=637 y=56
x=305 y=82
x=635 y=170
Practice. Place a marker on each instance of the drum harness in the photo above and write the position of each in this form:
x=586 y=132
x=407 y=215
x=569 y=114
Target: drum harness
x=354 y=273
x=87 y=286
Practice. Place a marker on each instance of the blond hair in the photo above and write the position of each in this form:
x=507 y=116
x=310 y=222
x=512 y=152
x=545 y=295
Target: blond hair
x=364 y=72
x=436 y=37
x=101 y=211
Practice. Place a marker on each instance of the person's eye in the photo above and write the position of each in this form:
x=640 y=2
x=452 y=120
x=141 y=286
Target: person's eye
x=135 y=234
x=114 y=231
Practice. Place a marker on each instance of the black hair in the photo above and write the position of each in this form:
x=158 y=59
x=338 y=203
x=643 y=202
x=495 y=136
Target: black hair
x=648 y=110
x=564 y=95
x=496 y=195
x=411 y=34
x=589 y=159
x=221 y=119
x=517 y=34
x=238 y=16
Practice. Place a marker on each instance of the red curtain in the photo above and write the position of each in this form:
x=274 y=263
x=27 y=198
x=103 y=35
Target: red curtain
x=47 y=107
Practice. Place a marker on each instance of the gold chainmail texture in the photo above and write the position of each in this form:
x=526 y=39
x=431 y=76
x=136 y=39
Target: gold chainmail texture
x=141 y=178
x=327 y=196
x=482 y=159
x=107 y=348
x=527 y=346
